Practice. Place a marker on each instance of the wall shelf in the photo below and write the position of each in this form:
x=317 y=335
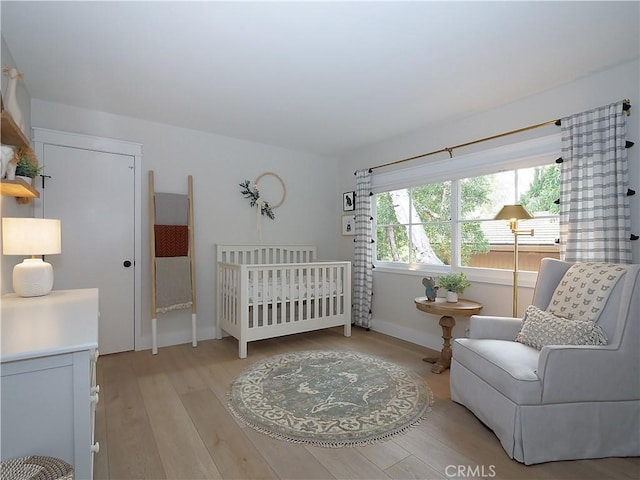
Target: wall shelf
x=18 y=188
x=11 y=133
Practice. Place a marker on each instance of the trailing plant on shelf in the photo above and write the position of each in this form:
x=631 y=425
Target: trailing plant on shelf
x=454 y=282
x=27 y=165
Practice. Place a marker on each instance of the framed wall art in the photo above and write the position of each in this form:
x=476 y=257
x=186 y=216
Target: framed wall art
x=348 y=201
x=348 y=224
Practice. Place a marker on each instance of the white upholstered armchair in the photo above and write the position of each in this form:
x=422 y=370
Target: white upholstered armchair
x=561 y=402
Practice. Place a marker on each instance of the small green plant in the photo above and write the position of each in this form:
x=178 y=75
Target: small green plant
x=454 y=282
x=25 y=168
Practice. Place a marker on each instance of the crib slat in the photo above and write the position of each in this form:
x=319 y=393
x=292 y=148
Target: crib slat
x=266 y=278
x=330 y=294
x=320 y=289
x=235 y=301
x=313 y=291
x=291 y=313
x=300 y=291
x=278 y=296
x=253 y=304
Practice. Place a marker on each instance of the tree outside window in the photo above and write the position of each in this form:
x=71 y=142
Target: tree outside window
x=416 y=225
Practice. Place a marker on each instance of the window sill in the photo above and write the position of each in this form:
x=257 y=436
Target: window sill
x=526 y=279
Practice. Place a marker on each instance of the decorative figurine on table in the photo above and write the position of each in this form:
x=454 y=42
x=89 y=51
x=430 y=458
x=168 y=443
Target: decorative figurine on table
x=431 y=289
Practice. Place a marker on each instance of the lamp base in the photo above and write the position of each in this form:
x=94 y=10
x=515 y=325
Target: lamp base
x=32 y=278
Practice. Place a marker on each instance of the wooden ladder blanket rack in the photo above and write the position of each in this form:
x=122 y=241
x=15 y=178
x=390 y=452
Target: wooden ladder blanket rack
x=171 y=243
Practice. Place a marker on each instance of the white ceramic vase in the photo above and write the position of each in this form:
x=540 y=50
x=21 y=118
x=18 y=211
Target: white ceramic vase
x=11 y=99
x=452 y=297
x=27 y=180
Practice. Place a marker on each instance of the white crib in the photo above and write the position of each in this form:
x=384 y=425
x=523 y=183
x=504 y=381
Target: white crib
x=266 y=291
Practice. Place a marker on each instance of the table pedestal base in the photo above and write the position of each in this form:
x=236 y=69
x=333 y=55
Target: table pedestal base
x=440 y=364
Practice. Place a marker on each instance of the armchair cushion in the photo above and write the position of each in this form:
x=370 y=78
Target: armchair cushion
x=498 y=328
x=541 y=328
x=508 y=366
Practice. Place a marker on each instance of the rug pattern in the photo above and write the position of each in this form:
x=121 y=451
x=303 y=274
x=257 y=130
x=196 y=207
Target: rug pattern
x=329 y=398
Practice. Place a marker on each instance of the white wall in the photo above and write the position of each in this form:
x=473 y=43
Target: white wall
x=218 y=164
x=8 y=205
x=393 y=309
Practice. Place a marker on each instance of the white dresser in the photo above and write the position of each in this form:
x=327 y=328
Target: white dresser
x=48 y=369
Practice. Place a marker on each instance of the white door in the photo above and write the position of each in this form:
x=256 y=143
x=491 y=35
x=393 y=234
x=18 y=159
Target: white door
x=92 y=193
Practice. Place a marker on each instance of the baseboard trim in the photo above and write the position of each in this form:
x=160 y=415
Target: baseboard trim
x=408 y=334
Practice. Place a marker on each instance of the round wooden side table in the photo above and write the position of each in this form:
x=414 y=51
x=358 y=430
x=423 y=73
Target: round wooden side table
x=448 y=310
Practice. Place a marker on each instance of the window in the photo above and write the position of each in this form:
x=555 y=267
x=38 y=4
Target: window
x=414 y=224
x=444 y=223
x=491 y=242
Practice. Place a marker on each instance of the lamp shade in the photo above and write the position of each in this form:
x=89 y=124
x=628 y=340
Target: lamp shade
x=31 y=236
x=513 y=212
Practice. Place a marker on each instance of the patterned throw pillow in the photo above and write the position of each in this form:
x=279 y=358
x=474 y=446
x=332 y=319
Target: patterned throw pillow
x=540 y=328
x=584 y=289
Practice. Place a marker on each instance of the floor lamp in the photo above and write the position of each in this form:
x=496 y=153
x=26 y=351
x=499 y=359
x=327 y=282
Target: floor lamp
x=513 y=213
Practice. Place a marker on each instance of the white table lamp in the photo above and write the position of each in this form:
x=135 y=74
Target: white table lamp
x=31 y=236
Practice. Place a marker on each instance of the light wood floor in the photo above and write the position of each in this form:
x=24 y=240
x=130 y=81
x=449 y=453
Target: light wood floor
x=165 y=416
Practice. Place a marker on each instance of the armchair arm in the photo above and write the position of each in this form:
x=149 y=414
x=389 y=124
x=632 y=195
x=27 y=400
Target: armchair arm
x=497 y=328
x=583 y=373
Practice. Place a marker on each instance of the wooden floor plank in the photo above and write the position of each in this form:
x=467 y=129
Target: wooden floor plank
x=347 y=463
x=131 y=450
x=412 y=468
x=182 y=451
x=182 y=369
x=288 y=460
x=217 y=378
x=384 y=454
x=430 y=451
x=233 y=453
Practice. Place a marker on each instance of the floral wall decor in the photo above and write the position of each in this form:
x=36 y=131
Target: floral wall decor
x=263 y=207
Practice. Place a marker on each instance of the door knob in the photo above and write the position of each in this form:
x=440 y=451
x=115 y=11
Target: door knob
x=126 y=263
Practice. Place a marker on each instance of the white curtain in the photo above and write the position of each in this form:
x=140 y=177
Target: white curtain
x=363 y=249
x=595 y=219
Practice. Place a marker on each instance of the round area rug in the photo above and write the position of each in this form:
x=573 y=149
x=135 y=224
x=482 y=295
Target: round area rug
x=329 y=398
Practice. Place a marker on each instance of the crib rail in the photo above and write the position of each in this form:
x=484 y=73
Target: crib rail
x=265 y=254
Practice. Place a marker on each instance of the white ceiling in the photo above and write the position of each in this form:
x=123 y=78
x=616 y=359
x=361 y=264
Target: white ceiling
x=325 y=77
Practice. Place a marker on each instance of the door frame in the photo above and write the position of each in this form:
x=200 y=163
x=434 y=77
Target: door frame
x=44 y=136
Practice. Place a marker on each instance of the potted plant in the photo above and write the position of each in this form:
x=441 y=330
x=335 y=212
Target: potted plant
x=455 y=284
x=27 y=166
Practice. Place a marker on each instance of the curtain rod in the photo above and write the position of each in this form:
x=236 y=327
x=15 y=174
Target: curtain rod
x=626 y=107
